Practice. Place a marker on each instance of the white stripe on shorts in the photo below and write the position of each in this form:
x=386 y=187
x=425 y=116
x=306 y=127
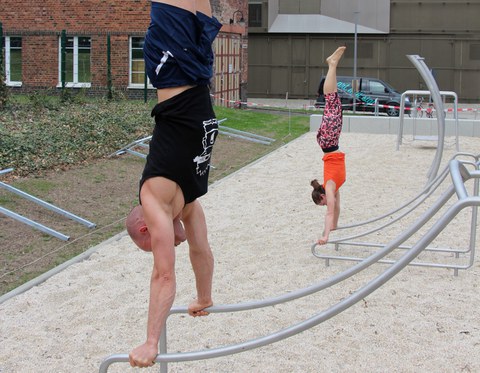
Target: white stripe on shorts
x=163 y=60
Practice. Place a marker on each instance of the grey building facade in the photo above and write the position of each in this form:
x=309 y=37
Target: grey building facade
x=290 y=39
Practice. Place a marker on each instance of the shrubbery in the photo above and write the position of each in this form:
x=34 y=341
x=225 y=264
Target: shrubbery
x=47 y=134
x=3 y=91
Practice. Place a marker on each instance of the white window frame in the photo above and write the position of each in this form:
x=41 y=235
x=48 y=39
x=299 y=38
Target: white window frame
x=130 y=63
x=9 y=82
x=75 y=83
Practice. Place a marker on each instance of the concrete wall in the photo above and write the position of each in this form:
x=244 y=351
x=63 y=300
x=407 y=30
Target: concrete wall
x=411 y=126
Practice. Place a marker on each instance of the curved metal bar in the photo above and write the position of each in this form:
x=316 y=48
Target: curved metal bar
x=459 y=175
x=440 y=178
x=427 y=76
x=429 y=192
x=333 y=310
x=425 y=190
x=406 y=259
x=394 y=211
x=374 y=258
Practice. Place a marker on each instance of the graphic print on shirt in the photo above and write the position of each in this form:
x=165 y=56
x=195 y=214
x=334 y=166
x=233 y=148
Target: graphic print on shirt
x=203 y=160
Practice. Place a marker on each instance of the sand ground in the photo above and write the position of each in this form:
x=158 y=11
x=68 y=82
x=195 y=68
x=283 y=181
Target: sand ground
x=262 y=223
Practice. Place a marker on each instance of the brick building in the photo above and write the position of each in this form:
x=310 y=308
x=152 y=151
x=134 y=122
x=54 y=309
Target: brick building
x=97 y=44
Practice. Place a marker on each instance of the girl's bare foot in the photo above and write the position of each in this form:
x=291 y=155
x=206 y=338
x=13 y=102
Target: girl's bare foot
x=336 y=56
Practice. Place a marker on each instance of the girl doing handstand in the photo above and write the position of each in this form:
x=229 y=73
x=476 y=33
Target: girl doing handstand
x=328 y=194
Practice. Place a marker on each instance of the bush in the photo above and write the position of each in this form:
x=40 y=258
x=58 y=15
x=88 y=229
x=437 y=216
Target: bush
x=60 y=135
x=3 y=91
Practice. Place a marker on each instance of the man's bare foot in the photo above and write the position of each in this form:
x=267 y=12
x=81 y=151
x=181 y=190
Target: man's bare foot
x=335 y=57
x=198 y=309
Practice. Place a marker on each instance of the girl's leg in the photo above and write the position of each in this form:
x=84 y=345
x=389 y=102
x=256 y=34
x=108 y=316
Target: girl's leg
x=330 y=84
x=329 y=132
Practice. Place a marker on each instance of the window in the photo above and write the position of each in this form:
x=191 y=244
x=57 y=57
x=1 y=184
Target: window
x=377 y=87
x=13 y=60
x=300 y=6
x=77 y=61
x=475 y=52
x=137 y=63
x=254 y=15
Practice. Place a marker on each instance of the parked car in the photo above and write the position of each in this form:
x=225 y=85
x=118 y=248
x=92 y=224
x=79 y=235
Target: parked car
x=369 y=90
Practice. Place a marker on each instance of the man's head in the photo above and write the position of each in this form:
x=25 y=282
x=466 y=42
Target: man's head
x=137 y=229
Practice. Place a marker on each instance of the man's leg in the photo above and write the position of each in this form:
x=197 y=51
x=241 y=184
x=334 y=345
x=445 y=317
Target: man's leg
x=201 y=256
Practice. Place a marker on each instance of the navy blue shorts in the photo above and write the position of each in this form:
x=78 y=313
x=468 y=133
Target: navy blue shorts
x=182 y=141
x=178 y=46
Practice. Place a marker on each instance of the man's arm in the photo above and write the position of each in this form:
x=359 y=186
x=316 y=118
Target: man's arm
x=161 y=201
x=162 y=295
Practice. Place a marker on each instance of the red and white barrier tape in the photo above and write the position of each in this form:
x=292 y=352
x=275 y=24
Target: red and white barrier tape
x=253 y=104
